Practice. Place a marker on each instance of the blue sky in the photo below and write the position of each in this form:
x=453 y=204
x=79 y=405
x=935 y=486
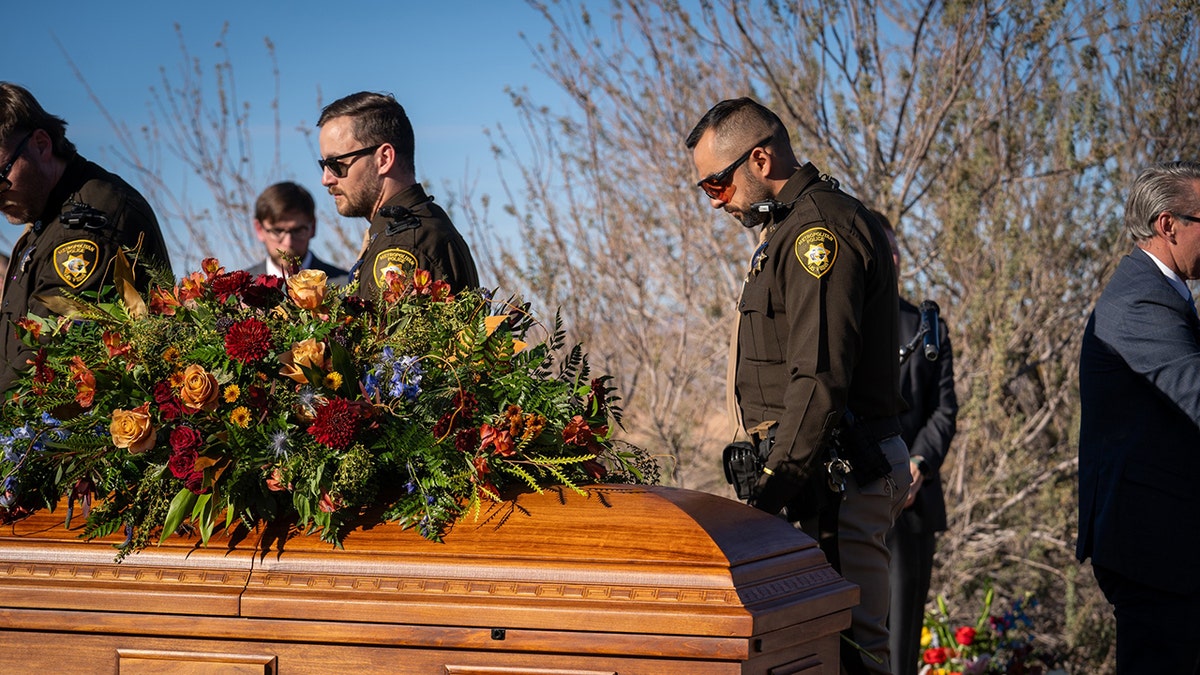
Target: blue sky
x=448 y=62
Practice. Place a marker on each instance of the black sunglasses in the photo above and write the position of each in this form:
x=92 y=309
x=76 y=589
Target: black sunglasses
x=717 y=186
x=5 y=183
x=335 y=165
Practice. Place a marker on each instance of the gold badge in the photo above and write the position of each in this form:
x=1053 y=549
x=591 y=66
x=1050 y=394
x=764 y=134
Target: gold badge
x=817 y=249
x=76 y=261
x=392 y=260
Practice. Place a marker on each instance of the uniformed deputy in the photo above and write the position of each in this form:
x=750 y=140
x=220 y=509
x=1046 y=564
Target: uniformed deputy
x=816 y=354
x=77 y=217
x=367 y=164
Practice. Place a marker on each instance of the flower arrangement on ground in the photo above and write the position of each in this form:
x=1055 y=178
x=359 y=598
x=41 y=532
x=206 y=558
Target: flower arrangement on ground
x=228 y=398
x=994 y=644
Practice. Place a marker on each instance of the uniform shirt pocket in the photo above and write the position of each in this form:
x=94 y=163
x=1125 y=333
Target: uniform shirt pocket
x=763 y=330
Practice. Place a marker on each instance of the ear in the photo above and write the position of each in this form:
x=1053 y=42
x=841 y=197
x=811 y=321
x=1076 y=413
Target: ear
x=1165 y=226
x=385 y=158
x=761 y=162
x=259 y=232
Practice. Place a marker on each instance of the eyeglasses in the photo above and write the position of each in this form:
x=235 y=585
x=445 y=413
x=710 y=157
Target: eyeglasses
x=719 y=186
x=335 y=165
x=5 y=183
x=1181 y=216
x=302 y=232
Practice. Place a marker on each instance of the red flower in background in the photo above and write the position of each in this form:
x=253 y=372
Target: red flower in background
x=85 y=382
x=936 y=655
x=42 y=373
x=248 y=340
x=230 y=284
x=265 y=292
x=163 y=301
x=337 y=423
x=965 y=635
x=192 y=287
x=498 y=438
x=114 y=344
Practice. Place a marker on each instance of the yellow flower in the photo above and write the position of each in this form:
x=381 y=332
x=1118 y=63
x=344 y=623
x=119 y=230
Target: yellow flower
x=176 y=379
x=926 y=637
x=333 y=381
x=171 y=354
x=132 y=429
x=307 y=288
x=232 y=392
x=240 y=416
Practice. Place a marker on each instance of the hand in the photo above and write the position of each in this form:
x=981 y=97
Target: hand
x=915 y=487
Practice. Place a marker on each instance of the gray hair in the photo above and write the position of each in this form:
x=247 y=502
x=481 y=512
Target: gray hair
x=1168 y=186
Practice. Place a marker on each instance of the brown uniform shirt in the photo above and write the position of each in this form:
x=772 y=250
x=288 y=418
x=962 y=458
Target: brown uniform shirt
x=818 y=332
x=53 y=255
x=411 y=231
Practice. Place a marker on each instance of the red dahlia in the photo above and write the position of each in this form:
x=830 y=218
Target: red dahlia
x=233 y=283
x=248 y=340
x=336 y=423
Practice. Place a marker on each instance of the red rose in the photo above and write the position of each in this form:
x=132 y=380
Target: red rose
x=184 y=438
x=182 y=463
x=964 y=635
x=935 y=656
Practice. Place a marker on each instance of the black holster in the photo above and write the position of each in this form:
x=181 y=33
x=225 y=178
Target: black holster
x=744 y=462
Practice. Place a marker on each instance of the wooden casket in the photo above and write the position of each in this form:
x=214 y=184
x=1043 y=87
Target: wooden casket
x=628 y=580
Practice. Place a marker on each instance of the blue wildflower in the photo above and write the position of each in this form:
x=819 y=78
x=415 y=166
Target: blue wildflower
x=279 y=443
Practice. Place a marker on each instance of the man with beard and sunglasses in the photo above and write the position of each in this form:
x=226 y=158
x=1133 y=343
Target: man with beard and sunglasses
x=76 y=215
x=367 y=151
x=816 y=370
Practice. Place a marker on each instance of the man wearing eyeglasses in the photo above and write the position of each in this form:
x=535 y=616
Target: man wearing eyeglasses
x=285 y=221
x=817 y=374
x=367 y=150
x=77 y=217
x=1139 y=428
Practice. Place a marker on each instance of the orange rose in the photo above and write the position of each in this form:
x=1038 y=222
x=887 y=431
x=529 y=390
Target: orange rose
x=307 y=288
x=132 y=429
x=199 y=390
x=308 y=353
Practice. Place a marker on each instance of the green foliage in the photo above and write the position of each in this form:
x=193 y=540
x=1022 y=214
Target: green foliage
x=231 y=401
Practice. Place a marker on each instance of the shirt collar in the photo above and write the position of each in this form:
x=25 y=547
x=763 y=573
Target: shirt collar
x=1172 y=278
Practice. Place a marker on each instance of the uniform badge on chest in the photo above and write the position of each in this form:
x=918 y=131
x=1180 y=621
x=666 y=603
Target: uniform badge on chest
x=76 y=261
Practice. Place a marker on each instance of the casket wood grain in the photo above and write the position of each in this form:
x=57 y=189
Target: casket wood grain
x=628 y=580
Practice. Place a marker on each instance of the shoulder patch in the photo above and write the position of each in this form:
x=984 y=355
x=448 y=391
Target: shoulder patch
x=392 y=260
x=817 y=250
x=76 y=261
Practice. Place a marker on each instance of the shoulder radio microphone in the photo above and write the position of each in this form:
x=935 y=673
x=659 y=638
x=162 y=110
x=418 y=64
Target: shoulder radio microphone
x=929 y=325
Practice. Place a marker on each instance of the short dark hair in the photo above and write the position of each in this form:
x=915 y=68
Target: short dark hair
x=378 y=118
x=283 y=198
x=738 y=118
x=20 y=112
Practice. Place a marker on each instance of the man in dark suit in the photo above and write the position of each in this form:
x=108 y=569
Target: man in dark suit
x=1139 y=437
x=285 y=221
x=927 y=428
